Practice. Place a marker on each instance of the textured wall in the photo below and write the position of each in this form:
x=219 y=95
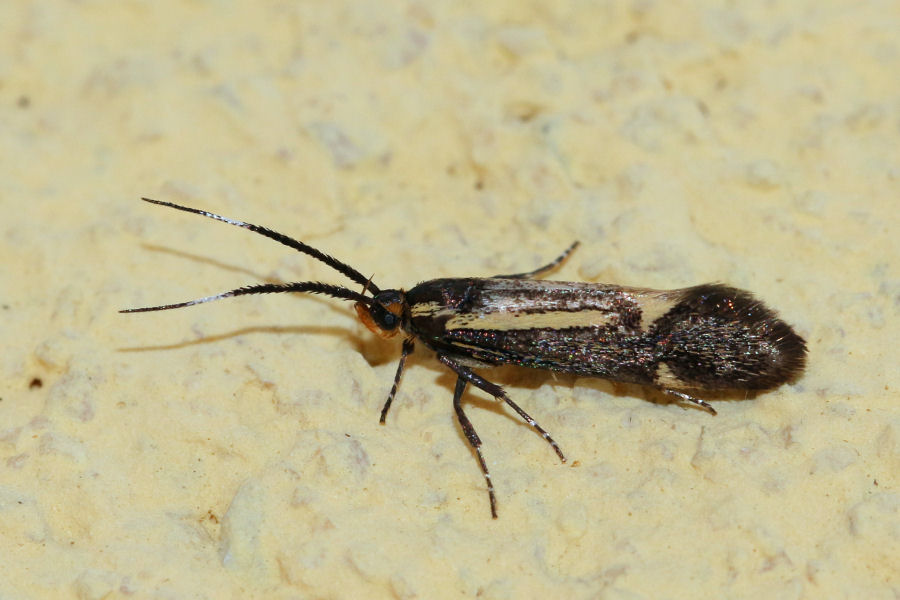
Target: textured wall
x=233 y=449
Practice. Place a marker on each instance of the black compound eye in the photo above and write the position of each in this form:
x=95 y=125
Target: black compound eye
x=385 y=319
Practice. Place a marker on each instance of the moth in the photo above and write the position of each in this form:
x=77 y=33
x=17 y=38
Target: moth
x=681 y=342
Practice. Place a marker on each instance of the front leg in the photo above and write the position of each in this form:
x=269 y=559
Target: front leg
x=408 y=347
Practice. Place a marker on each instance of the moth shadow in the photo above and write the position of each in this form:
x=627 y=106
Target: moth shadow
x=512 y=377
x=235 y=333
x=659 y=397
x=348 y=334
x=206 y=260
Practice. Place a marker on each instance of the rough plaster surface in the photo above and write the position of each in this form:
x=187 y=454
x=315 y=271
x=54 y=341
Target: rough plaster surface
x=233 y=450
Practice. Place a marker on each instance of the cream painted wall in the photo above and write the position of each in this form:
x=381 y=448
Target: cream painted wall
x=233 y=450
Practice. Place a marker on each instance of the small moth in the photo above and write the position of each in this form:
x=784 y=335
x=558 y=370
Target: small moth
x=703 y=338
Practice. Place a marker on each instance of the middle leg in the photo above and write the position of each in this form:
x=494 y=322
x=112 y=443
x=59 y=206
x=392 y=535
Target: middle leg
x=497 y=392
x=474 y=440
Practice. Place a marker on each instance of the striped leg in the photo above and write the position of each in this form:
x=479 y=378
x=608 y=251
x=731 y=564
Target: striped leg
x=408 y=347
x=701 y=403
x=497 y=392
x=474 y=440
x=540 y=270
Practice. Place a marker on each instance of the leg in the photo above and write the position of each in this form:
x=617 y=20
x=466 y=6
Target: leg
x=408 y=347
x=544 y=269
x=474 y=440
x=497 y=392
x=701 y=403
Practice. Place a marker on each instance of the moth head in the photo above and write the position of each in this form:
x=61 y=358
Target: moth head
x=384 y=316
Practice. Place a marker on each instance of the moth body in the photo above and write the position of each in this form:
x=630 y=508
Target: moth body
x=702 y=338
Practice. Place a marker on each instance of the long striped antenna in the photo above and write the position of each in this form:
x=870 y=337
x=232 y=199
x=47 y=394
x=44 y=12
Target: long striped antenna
x=313 y=287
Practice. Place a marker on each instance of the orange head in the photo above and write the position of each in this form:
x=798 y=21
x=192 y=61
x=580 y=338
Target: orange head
x=384 y=315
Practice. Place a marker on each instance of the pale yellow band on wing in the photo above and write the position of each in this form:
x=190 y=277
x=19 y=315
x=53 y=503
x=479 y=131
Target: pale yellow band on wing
x=509 y=321
x=426 y=309
x=653 y=307
x=665 y=378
